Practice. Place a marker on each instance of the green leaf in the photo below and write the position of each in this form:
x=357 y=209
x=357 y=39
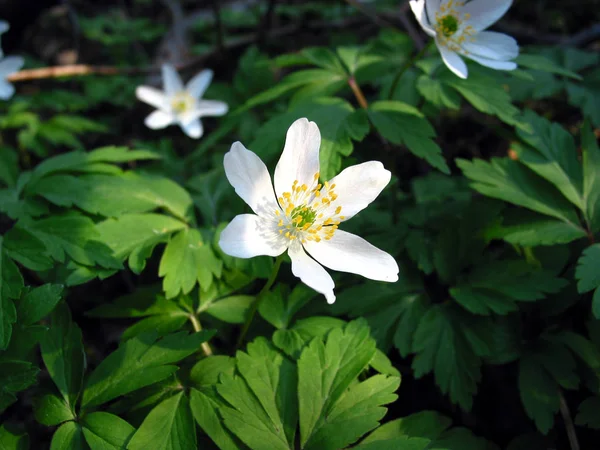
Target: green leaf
x=169 y=426
x=444 y=343
x=15 y=376
x=135 y=235
x=497 y=286
x=425 y=424
x=11 y=283
x=591 y=177
x=508 y=180
x=37 y=303
x=68 y=437
x=278 y=308
x=111 y=195
x=204 y=408
x=589 y=413
x=63 y=354
x=393 y=310
x=9 y=166
x=74 y=236
x=187 y=260
x=263 y=412
x=339 y=125
x=401 y=443
x=484 y=92
x=438 y=93
x=325 y=371
x=74 y=161
x=538 y=393
x=104 y=431
x=540 y=62
x=357 y=412
x=403 y=124
x=552 y=156
x=586 y=95
x=588 y=269
x=51 y=410
x=139 y=362
x=206 y=372
x=230 y=309
x=535 y=231
x=26 y=249
x=10 y=440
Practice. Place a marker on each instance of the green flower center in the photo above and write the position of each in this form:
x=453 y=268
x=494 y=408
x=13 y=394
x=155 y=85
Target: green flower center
x=181 y=103
x=302 y=216
x=448 y=25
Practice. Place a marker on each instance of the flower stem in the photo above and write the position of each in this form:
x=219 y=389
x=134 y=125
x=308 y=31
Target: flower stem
x=566 y=414
x=407 y=66
x=197 y=327
x=258 y=299
x=358 y=93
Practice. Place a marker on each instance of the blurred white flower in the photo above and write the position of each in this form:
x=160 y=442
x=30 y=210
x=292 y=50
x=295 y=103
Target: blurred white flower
x=8 y=65
x=303 y=214
x=180 y=105
x=458 y=28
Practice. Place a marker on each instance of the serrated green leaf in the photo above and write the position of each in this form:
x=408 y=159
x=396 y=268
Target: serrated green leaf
x=588 y=269
x=69 y=436
x=355 y=413
x=74 y=236
x=139 y=362
x=591 y=177
x=403 y=124
x=508 y=180
x=25 y=248
x=264 y=400
x=540 y=62
x=169 y=426
x=133 y=232
x=538 y=393
x=206 y=372
x=438 y=93
x=537 y=231
x=9 y=165
x=232 y=309
x=401 y=443
x=187 y=260
x=15 y=376
x=51 y=410
x=36 y=303
x=425 y=424
x=552 y=156
x=326 y=369
x=63 y=354
x=204 y=408
x=11 y=283
x=105 y=431
x=586 y=95
x=278 y=308
x=393 y=311
x=589 y=413
x=441 y=345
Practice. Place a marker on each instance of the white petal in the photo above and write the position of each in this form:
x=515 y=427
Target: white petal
x=492 y=45
x=300 y=157
x=357 y=186
x=197 y=86
x=250 y=178
x=205 y=108
x=493 y=63
x=311 y=272
x=248 y=235
x=171 y=80
x=7 y=90
x=10 y=64
x=4 y=26
x=212 y=108
x=346 y=252
x=193 y=128
x=418 y=8
x=432 y=6
x=453 y=61
x=159 y=119
x=152 y=96
x=485 y=12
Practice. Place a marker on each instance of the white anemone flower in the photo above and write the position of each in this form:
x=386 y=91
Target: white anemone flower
x=458 y=28
x=9 y=65
x=180 y=105
x=302 y=215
